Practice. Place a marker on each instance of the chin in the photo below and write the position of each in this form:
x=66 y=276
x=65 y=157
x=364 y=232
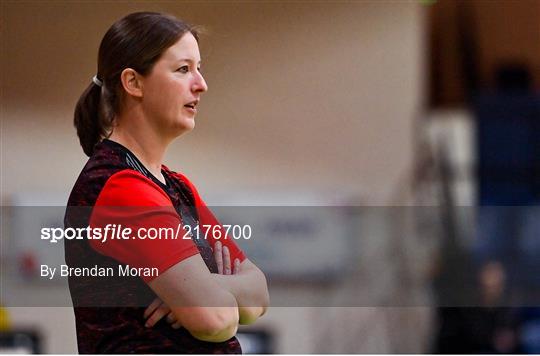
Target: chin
x=185 y=126
x=189 y=125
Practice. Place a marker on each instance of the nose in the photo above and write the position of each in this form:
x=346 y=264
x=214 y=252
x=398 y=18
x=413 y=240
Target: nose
x=199 y=84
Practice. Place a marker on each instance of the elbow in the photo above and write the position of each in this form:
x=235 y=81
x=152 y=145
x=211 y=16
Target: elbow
x=265 y=297
x=217 y=324
x=248 y=315
x=266 y=301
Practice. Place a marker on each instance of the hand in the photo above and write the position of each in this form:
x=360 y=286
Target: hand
x=157 y=310
x=223 y=260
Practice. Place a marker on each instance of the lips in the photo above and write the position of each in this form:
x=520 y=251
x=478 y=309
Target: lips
x=190 y=109
x=192 y=104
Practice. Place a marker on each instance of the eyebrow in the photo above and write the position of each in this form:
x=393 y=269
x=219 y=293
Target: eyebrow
x=187 y=60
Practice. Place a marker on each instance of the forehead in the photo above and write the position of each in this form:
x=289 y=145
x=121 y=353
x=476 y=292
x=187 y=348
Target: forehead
x=185 y=48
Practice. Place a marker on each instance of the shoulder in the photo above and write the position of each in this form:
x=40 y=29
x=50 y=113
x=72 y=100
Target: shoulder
x=105 y=162
x=131 y=188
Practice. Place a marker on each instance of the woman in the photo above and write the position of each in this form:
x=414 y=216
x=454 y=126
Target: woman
x=145 y=94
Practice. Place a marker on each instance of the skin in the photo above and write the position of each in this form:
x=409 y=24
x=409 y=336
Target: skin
x=153 y=113
x=244 y=280
x=157 y=309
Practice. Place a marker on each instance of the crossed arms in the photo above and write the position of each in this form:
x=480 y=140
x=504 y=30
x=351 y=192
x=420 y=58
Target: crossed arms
x=210 y=306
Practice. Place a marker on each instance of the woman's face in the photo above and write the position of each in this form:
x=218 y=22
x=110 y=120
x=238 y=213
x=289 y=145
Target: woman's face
x=171 y=91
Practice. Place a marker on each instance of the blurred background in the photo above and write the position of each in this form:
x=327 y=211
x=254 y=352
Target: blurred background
x=417 y=120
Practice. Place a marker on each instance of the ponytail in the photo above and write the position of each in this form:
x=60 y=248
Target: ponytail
x=87 y=119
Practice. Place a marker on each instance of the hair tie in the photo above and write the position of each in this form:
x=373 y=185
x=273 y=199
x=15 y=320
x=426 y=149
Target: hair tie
x=97 y=82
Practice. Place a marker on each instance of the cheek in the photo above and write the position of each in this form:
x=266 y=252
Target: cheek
x=167 y=98
x=174 y=93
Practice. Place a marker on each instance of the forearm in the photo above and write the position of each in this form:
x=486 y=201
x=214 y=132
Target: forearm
x=199 y=304
x=250 y=290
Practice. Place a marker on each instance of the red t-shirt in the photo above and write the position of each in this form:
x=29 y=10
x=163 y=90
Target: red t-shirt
x=131 y=200
x=114 y=187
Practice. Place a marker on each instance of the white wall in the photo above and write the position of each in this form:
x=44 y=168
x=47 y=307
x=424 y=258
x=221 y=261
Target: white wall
x=318 y=95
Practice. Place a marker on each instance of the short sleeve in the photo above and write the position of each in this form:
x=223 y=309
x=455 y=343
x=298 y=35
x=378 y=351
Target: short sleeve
x=207 y=218
x=144 y=229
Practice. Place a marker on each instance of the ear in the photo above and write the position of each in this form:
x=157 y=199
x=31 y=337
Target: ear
x=131 y=81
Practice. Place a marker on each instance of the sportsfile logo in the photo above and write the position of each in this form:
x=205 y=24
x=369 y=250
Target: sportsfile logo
x=120 y=232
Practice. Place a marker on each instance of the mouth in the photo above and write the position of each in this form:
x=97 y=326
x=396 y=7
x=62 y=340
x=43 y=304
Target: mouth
x=192 y=106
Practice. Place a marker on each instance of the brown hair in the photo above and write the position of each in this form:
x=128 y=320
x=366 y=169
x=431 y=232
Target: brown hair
x=135 y=41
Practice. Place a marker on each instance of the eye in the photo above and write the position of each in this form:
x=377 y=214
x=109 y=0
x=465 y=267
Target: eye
x=199 y=69
x=183 y=69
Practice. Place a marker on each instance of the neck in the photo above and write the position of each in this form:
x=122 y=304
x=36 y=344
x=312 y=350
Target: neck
x=142 y=141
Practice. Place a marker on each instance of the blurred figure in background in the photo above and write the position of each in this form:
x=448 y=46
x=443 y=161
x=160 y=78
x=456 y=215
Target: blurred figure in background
x=507 y=247
x=504 y=256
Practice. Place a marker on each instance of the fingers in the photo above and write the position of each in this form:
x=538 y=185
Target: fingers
x=156 y=316
x=156 y=311
x=153 y=306
x=222 y=256
x=171 y=319
x=218 y=255
x=226 y=261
